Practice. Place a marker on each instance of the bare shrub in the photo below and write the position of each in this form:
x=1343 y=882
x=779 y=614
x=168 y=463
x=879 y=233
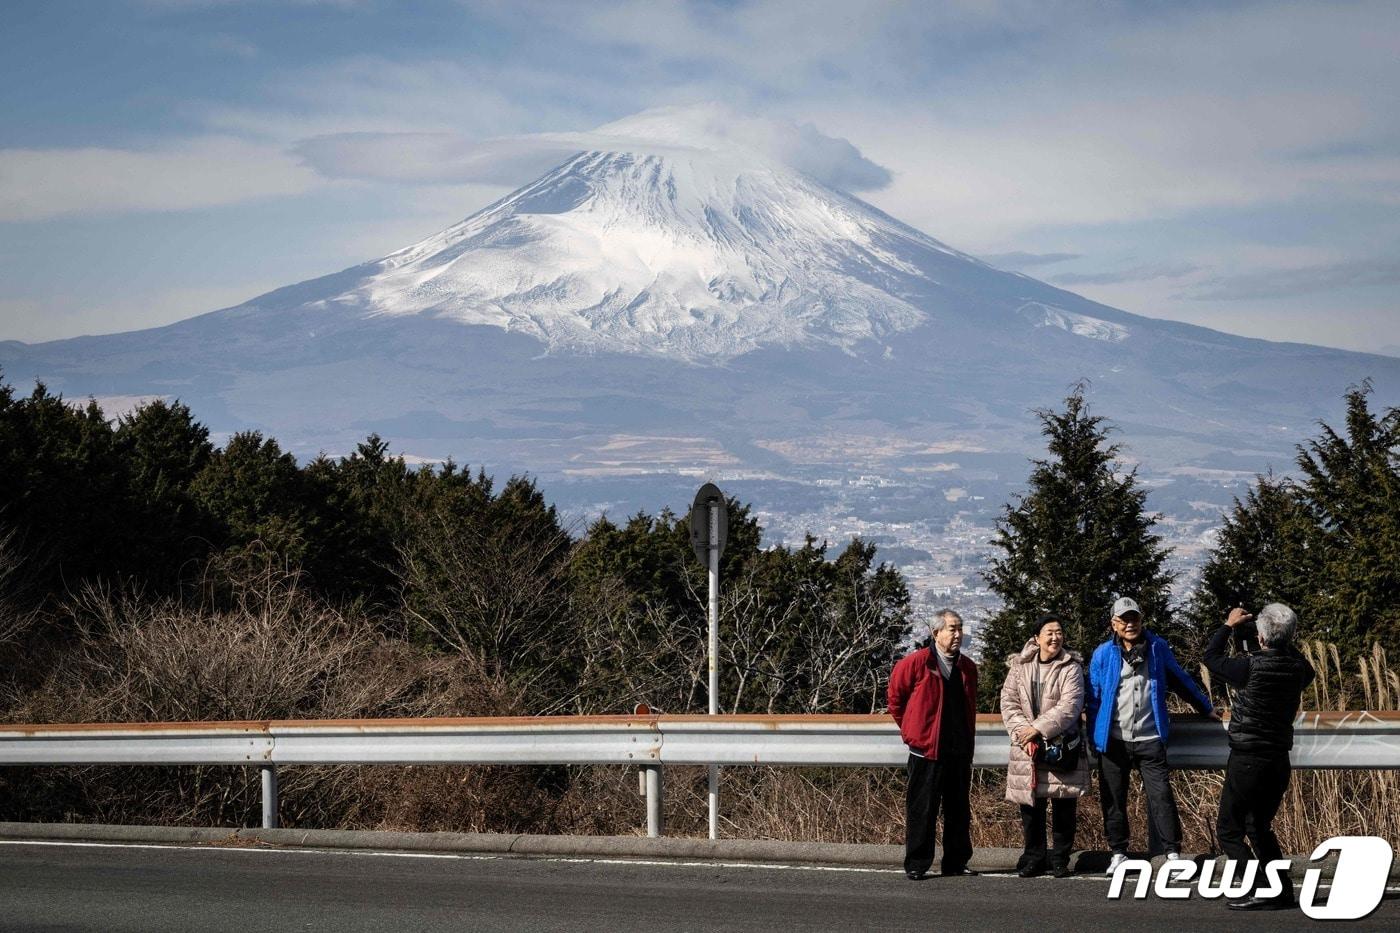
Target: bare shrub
x=16 y=620
x=818 y=652
x=825 y=649
x=489 y=593
x=270 y=652
x=632 y=651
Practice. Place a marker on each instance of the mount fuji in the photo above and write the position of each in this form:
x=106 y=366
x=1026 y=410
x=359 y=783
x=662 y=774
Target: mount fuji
x=668 y=301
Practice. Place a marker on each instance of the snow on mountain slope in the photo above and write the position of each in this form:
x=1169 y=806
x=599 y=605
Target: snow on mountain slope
x=691 y=273
x=685 y=251
x=1043 y=315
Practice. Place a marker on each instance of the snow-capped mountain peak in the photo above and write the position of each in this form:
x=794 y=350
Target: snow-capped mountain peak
x=682 y=241
x=848 y=340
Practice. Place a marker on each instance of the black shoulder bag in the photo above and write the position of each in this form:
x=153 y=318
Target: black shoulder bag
x=1062 y=752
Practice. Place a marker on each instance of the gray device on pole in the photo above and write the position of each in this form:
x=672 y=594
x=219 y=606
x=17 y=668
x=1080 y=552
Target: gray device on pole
x=700 y=521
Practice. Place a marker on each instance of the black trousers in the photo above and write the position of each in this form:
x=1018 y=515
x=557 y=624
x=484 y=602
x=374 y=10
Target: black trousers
x=1064 y=812
x=1116 y=763
x=945 y=783
x=1254 y=788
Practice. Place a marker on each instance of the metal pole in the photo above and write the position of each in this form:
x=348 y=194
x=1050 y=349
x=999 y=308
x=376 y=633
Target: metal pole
x=655 y=788
x=714 y=657
x=269 y=795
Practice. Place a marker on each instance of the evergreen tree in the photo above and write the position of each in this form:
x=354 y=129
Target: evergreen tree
x=63 y=489
x=1351 y=485
x=362 y=508
x=256 y=495
x=1076 y=540
x=1327 y=544
x=163 y=449
x=652 y=557
x=1264 y=552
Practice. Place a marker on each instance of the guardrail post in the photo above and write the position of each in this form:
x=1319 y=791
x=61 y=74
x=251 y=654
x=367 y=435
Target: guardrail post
x=655 y=785
x=269 y=796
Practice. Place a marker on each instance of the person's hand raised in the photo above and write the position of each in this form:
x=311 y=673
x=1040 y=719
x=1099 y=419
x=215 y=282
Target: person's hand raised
x=1238 y=615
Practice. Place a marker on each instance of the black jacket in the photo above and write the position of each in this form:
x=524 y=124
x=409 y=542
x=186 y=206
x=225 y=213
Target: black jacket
x=1269 y=688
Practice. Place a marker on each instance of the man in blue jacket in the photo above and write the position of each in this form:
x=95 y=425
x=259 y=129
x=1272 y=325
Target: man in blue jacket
x=1126 y=705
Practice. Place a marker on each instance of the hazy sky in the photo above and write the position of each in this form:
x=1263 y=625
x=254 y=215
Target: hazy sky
x=1229 y=164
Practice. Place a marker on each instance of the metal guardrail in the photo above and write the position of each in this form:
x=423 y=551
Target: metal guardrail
x=1323 y=740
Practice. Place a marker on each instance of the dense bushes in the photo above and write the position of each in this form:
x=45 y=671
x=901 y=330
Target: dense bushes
x=1326 y=542
x=140 y=535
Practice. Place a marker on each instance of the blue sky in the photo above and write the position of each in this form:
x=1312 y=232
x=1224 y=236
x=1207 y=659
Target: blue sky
x=1229 y=164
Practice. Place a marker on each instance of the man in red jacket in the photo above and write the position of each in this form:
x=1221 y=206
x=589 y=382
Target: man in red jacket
x=933 y=697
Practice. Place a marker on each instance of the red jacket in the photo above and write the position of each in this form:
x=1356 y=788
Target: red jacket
x=916 y=699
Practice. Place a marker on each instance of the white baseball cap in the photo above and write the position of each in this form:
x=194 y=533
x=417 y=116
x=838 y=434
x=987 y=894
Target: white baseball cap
x=1124 y=605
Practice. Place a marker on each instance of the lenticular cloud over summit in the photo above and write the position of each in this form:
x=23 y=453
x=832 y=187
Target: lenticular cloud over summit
x=802 y=148
x=514 y=160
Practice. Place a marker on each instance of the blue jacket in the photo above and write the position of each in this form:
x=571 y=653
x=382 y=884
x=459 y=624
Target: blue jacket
x=1106 y=669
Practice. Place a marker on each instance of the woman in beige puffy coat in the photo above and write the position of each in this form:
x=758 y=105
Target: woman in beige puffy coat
x=1043 y=697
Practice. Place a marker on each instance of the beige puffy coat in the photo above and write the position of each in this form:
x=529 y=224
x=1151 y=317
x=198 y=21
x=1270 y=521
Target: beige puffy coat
x=1061 y=709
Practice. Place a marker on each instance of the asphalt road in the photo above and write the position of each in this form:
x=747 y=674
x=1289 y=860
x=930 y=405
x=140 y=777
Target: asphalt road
x=110 y=888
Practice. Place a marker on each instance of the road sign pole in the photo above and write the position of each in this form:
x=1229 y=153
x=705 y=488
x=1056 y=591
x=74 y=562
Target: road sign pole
x=709 y=529
x=714 y=655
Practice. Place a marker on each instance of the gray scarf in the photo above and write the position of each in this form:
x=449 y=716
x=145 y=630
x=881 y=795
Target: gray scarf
x=945 y=662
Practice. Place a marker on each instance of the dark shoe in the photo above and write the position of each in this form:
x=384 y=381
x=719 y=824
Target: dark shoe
x=1061 y=871
x=1263 y=903
x=916 y=875
x=952 y=872
x=1031 y=871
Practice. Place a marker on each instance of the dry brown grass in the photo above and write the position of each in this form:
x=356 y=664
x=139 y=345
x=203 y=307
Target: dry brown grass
x=268 y=651
x=866 y=804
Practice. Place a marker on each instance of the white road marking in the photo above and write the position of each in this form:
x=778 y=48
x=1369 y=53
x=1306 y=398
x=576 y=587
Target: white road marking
x=446 y=855
x=669 y=863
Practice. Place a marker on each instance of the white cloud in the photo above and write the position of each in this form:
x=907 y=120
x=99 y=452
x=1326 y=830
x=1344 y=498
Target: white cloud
x=1138 y=273
x=181 y=6
x=1144 y=118
x=792 y=46
x=1018 y=260
x=374 y=94
x=1000 y=117
x=829 y=159
x=207 y=172
x=434 y=158
x=1288 y=283
x=233 y=45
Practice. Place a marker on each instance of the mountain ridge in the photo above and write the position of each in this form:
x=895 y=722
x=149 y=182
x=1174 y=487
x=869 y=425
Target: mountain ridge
x=627 y=292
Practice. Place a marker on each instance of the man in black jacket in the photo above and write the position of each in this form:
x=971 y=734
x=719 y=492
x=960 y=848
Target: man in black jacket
x=1269 y=686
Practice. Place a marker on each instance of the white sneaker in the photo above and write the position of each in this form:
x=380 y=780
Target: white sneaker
x=1118 y=859
x=1173 y=855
